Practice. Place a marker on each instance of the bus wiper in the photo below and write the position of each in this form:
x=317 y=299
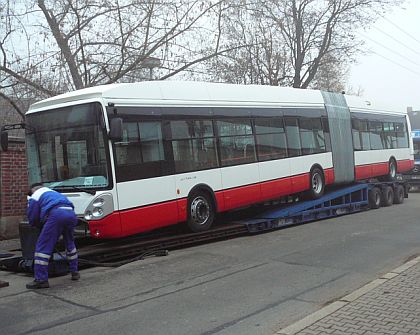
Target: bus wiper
x=49 y=181
x=75 y=188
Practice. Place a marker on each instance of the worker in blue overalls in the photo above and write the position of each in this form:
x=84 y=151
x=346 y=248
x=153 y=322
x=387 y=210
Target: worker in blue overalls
x=54 y=214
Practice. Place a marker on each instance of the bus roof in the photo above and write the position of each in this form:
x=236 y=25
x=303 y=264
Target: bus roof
x=195 y=92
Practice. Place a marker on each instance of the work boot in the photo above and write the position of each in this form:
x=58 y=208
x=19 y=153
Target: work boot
x=36 y=284
x=75 y=276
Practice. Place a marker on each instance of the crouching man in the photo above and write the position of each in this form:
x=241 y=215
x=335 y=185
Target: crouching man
x=54 y=214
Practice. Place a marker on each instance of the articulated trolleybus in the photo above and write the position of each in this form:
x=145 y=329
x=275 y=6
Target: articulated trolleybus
x=136 y=157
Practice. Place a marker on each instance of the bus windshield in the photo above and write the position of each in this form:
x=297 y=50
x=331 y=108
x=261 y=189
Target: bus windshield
x=66 y=148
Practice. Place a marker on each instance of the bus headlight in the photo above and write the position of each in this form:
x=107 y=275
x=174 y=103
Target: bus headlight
x=98 y=202
x=97 y=212
x=100 y=207
x=88 y=215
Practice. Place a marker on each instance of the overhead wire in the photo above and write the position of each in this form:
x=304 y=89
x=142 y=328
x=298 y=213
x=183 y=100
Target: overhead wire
x=396 y=63
x=389 y=49
x=398 y=41
x=402 y=30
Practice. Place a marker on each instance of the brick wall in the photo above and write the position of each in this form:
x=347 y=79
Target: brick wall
x=13 y=187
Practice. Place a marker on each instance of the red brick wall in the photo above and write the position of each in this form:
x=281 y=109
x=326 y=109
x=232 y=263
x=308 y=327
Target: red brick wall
x=13 y=179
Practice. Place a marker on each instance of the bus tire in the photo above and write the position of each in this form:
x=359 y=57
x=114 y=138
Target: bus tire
x=387 y=196
x=317 y=183
x=399 y=194
x=374 y=198
x=201 y=211
x=392 y=170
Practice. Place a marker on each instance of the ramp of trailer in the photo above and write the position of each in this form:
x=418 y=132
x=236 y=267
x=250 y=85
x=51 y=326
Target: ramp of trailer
x=334 y=203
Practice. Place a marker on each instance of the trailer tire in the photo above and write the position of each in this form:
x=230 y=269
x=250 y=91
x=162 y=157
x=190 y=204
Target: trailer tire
x=399 y=194
x=201 y=211
x=387 y=196
x=374 y=198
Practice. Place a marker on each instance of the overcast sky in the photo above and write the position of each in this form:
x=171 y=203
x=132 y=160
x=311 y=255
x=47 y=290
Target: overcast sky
x=391 y=72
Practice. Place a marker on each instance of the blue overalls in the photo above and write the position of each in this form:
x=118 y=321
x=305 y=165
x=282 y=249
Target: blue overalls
x=54 y=213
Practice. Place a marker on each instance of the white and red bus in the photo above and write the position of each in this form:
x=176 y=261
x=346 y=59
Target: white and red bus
x=139 y=156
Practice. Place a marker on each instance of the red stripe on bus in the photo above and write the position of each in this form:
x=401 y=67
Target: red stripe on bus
x=182 y=209
x=329 y=176
x=150 y=217
x=381 y=169
x=276 y=188
x=371 y=170
x=405 y=165
x=108 y=227
x=242 y=196
x=220 y=199
x=146 y=218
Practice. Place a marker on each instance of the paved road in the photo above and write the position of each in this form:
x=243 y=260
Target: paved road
x=250 y=285
x=389 y=305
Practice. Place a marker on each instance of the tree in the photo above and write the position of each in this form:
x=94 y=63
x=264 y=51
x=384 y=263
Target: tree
x=303 y=36
x=331 y=75
x=259 y=58
x=71 y=44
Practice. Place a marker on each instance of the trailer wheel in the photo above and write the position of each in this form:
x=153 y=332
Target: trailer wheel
x=387 y=196
x=399 y=194
x=374 y=198
x=317 y=183
x=200 y=211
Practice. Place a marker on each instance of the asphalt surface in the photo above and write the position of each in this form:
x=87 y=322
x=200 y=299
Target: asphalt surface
x=249 y=285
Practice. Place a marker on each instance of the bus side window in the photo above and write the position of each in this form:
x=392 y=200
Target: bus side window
x=375 y=131
x=311 y=135
x=193 y=145
x=237 y=144
x=389 y=135
x=271 y=138
x=364 y=134
x=402 y=136
x=151 y=141
x=293 y=137
x=357 y=141
x=140 y=154
x=326 y=129
x=128 y=151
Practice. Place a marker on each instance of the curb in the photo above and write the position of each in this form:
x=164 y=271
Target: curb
x=333 y=307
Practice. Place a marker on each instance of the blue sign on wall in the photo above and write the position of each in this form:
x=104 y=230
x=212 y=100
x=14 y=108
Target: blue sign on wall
x=415 y=134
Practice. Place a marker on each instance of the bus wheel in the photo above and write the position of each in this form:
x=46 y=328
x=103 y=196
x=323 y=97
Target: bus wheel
x=317 y=183
x=200 y=212
x=392 y=174
x=399 y=194
x=387 y=196
x=374 y=198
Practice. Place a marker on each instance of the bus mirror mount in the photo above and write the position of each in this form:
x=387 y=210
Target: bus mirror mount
x=116 y=129
x=4 y=140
